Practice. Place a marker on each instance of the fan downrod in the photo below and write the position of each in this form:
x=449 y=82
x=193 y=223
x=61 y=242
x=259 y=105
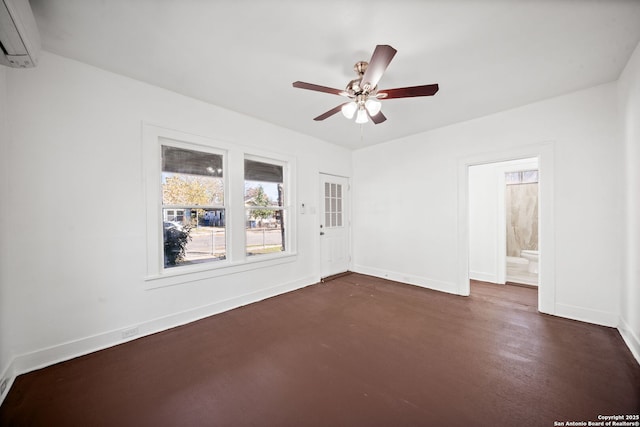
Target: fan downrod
x=360 y=67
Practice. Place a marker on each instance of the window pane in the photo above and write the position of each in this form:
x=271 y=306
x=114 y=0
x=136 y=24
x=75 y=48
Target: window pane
x=512 y=177
x=263 y=184
x=191 y=177
x=262 y=171
x=530 y=176
x=199 y=236
x=521 y=177
x=257 y=193
x=264 y=231
x=191 y=162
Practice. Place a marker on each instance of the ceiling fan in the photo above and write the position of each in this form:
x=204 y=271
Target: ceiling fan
x=363 y=91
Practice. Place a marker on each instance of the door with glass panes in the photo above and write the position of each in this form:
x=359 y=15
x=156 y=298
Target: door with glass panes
x=334 y=224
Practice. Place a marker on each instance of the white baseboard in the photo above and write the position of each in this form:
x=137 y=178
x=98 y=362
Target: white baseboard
x=28 y=362
x=598 y=317
x=483 y=277
x=631 y=339
x=425 y=282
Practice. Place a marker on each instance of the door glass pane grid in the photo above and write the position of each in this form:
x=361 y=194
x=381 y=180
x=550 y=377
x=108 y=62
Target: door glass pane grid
x=333 y=205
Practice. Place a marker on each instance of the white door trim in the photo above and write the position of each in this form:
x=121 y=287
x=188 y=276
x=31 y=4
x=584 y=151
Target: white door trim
x=545 y=154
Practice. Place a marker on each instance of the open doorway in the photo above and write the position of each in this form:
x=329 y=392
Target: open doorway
x=544 y=153
x=503 y=222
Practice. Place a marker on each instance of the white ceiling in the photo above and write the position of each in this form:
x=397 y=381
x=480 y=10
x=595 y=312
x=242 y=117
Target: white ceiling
x=487 y=56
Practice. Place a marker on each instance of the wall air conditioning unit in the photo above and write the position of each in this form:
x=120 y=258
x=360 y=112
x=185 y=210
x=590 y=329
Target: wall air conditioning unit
x=19 y=37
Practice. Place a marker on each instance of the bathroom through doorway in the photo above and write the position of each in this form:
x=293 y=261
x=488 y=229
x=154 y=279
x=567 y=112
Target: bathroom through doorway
x=503 y=222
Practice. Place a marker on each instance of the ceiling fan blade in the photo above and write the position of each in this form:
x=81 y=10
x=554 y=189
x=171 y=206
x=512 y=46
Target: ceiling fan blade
x=318 y=88
x=408 y=92
x=382 y=56
x=378 y=118
x=329 y=113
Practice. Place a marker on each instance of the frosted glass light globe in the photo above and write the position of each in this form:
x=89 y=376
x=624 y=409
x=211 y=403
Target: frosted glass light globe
x=373 y=106
x=362 y=116
x=348 y=110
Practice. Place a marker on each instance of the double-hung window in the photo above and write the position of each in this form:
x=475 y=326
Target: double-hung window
x=193 y=209
x=264 y=203
x=214 y=207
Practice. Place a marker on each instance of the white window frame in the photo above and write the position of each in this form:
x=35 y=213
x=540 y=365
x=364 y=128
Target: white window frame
x=153 y=137
x=166 y=142
x=286 y=208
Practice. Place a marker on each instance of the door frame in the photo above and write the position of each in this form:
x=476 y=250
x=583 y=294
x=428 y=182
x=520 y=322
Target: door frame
x=347 y=219
x=499 y=237
x=546 y=227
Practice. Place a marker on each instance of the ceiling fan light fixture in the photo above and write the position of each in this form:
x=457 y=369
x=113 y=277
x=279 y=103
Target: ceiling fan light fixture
x=373 y=106
x=361 y=117
x=363 y=93
x=348 y=110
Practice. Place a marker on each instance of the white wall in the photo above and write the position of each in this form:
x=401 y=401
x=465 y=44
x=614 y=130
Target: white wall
x=75 y=270
x=406 y=198
x=487 y=218
x=629 y=92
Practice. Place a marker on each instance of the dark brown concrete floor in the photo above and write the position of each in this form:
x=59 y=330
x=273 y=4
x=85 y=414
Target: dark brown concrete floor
x=355 y=351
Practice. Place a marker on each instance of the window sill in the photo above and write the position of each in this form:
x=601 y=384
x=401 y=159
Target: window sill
x=187 y=274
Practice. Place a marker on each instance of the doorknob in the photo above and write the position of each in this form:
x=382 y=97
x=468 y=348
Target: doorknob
x=322 y=233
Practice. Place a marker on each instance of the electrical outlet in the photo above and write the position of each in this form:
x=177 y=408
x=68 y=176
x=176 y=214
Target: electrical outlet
x=128 y=333
x=3 y=386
